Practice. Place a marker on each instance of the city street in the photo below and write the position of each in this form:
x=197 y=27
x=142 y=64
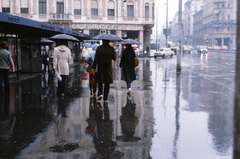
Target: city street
x=187 y=115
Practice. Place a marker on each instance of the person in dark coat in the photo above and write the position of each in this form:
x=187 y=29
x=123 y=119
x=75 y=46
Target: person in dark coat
x=103 y=58
x=127 y=65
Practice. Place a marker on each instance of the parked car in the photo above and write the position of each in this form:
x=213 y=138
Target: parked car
x=224 y=47
x=163 y=53
x=202 y=49
x=186 y=49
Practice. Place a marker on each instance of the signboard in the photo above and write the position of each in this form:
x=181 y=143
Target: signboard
x=167 y=31
x=219 y=1
x=216 y=25
x=215 y=11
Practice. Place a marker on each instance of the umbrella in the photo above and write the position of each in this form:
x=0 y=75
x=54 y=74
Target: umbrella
x=110 y=37
x=63 y=37
x=130 y=41
x=46 y=42
x=87 y=45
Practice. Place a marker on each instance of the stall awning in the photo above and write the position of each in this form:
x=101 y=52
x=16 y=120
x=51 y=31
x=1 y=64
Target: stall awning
x=15 y=20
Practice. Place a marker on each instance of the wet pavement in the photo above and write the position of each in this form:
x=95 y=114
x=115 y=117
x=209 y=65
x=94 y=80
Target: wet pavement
x=169 y=115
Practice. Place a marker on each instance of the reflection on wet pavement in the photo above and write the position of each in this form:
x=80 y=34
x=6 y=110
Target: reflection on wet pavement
x=168 y=114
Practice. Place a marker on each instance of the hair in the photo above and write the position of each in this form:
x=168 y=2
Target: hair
x=128 y=45
x=106 y=41
x=4 y=44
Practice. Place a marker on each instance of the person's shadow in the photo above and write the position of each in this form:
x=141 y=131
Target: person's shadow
x=128 y=122
x=100 y=128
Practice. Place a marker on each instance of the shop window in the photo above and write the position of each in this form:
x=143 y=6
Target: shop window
x=24 y=6
x=94 y=32
x=5 y=6
x=153 y=10
x=111 y=8
x=94 y=7
x=77 y=7
x=228 y=28
x=130 y=11
x=146 y=10
x=60 y=7
x=42 y=6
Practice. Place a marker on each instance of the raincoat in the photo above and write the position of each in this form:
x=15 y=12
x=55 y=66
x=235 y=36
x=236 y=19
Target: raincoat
x=62 y=55
x=103 y=58
x=127 y=65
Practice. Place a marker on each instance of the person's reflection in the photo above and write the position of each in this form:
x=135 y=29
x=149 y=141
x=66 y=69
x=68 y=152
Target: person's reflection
x=128 y=122
x=7 y=121
x=101 y=130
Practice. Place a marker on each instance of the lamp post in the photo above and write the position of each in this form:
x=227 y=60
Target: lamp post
x=167 y=25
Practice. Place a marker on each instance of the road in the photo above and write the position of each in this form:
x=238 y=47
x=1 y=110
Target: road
x=169 y=115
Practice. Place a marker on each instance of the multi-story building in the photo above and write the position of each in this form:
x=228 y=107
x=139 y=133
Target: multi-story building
x=219 y=22
x=191 y=7
x=198 y=35
x=175 y=29
x=128 y=19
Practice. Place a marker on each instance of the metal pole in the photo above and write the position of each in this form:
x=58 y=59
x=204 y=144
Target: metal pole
x=167 y=26
x=157 y=31
x=117 y=16
x=179 y=36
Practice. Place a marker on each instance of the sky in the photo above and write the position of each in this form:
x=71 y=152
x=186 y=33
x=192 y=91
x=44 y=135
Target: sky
x=172 y=9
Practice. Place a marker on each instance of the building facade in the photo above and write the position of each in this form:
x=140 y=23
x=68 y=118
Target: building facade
x=219 y=23
x=190 y=8
x=127 y=19
x=198 y=35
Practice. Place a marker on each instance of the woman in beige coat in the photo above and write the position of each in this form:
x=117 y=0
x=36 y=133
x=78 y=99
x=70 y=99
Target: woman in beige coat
x=62 y=56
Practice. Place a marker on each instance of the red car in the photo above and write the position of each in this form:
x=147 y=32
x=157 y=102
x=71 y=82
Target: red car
x=224 y=47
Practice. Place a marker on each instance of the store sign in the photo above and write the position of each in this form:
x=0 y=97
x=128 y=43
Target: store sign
x=216 y=25
x=219 y=1
x=215 y=11
x=89 y=26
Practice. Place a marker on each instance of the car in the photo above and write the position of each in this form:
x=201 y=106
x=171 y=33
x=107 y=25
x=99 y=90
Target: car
x=186 y=49
x=163 y=53
x=224 y=47
x=202 y=49
x=210 y=47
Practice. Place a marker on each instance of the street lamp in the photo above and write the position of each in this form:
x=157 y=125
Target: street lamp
x=157 y=27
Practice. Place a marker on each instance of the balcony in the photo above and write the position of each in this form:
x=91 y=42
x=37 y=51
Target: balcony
x=60 y=17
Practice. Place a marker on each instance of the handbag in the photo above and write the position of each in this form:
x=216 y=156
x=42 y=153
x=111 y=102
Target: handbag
x=136 y=61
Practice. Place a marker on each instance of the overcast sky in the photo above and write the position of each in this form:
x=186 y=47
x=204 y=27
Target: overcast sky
x=172 y=9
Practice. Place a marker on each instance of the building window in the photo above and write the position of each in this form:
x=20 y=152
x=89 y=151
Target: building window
x=42 y=6
x=223 y=16
x=77 y=7
x=94 y=32
x=217 y=17
x=228 y=16
x=228 y=28
x=153 y=10
x=111 y=8
x=60 y=8
x=228 y=4
x=223 y=5
x=94 y=7
x=195 y=9
x=217 y=29
x=24 y=6
x=130 y=11
x=5 y=6
x=146 y=10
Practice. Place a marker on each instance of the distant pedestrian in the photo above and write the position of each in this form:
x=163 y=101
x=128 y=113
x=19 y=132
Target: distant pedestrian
x=89 y=59
x=147 y=49
x=62 y=56
x=5 y=61
x=50 y=63
x=44 y=60
x=128 y=66
x=103 y=58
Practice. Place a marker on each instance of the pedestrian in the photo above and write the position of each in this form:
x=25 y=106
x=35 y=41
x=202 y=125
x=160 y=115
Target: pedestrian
x=128 y=66
x=44 y=60
x=89 y=59
x=50 y=63
x=103 y=58
x=147 y=49
x=5 y=61
x=62 y=56
x=85 y=52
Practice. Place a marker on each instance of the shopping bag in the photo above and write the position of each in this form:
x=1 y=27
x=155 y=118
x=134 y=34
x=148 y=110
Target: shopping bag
x=58 y=76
